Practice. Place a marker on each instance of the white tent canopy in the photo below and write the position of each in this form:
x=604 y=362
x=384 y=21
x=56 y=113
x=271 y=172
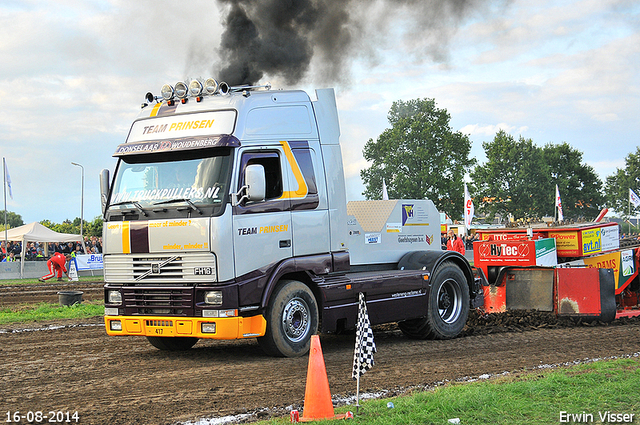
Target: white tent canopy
x=36 y=232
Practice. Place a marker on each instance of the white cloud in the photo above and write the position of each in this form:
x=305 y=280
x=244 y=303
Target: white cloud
x=491 y=130
x=73 y=73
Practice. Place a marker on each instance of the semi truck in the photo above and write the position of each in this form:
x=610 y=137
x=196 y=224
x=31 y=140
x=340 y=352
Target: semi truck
x=226 y=218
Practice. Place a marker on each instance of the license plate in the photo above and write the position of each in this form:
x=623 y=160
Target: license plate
x=159 y=327
x=202 y=270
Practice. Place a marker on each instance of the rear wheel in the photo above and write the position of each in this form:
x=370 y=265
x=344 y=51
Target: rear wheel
x=179 y=343
x=448 y=307
x=292 y=318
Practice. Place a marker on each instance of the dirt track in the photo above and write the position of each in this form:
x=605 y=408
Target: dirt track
x=125 y=380
x=47 y=292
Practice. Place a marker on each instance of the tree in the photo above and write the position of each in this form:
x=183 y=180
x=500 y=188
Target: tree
x=94 y=228
x=13 y=220
x=579 y=185
x=419 y=157
x=66 y=227
x=618 y=184
x=48 y=224
x=515 y=179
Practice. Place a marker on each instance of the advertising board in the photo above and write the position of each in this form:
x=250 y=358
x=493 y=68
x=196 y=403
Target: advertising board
x=567 y=243
x=541 y=252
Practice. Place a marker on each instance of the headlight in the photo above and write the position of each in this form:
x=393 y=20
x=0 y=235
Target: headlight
x=208 y=328
x=110 y=311
x=114 y=297
x=182 y=90
x=213 y=297
x=220 y=313
x=167 y=92
x=195 y=88
x=211 y=86
x=115 y=325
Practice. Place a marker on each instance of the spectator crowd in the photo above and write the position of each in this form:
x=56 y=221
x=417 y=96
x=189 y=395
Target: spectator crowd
x=35 y=251
x=450 y=241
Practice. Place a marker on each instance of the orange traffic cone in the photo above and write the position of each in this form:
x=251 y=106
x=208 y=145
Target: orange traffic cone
x=317 y=397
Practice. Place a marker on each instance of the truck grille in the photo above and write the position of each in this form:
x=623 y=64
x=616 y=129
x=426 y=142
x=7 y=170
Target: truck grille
x=158 y=301
x=187 y=268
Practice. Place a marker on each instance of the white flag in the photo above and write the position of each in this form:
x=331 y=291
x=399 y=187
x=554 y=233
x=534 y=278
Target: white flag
x=468 y=207
x=365 y=346
x=559 y=205
x=385 y=195
x=7 y=177
x=635 y=200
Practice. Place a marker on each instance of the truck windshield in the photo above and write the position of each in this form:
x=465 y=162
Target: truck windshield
x=203 y=181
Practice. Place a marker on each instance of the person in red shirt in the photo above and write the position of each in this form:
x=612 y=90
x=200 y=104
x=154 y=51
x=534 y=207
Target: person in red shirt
x=455 y=243
x=57 y=263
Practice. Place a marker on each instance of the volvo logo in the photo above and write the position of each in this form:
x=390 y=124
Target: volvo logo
x=156 y=268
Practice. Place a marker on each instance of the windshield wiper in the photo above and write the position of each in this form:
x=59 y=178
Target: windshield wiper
x=134 y=203
x=187 y=200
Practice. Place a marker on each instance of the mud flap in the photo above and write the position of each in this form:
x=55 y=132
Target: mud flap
x=607 y=295
x=478 y=300
x=586 y=293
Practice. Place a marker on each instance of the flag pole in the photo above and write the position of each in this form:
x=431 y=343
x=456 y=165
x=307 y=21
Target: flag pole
x=365 y=346
x=358 y=356
x=555 y=205
x=4 y=189
x=358 y=389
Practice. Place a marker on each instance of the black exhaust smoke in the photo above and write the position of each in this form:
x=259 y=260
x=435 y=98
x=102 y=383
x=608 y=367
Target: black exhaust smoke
x=280 y=38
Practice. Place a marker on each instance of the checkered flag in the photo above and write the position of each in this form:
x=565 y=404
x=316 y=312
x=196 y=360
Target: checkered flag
x=365 y=346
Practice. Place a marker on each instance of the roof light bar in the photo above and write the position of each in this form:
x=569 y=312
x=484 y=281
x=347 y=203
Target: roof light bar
x=197 y=89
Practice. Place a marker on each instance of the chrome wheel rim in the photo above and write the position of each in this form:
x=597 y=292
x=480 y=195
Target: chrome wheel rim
x=449 y=301
x=296 y=319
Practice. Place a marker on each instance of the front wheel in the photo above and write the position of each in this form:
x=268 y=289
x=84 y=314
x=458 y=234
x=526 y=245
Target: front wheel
x=448 y=307
x=178 y=343
x=292 y=318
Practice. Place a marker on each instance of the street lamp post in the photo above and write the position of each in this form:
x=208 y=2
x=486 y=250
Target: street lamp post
x=81 y=206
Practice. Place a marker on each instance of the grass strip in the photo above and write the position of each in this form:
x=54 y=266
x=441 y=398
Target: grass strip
x=591 y=391
x=46 y=311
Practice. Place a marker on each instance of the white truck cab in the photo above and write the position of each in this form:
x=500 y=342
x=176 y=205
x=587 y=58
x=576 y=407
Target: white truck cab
x=227 y=218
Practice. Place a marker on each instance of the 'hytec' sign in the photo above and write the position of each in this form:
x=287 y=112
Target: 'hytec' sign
x=541 y=252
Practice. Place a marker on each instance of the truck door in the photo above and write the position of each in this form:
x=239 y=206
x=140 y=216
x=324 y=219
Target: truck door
x=262 y=230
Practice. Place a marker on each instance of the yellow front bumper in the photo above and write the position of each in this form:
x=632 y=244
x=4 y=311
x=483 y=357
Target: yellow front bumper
x=225 y=328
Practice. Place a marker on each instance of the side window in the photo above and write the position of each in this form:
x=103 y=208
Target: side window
x=304 y=160
x=272 y=170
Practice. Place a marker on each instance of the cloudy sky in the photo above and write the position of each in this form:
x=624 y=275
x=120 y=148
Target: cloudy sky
x=73 y=74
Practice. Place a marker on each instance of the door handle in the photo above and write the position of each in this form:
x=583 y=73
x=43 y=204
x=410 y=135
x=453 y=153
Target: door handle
x=285 y=243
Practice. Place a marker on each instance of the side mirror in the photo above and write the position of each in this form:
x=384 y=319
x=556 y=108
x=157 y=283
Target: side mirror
x=255 y=181
x=104 y=189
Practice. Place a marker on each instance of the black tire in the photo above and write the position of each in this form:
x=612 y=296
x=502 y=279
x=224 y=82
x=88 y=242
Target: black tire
x=448 y=307
x=178 y=343
x=292 y=318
